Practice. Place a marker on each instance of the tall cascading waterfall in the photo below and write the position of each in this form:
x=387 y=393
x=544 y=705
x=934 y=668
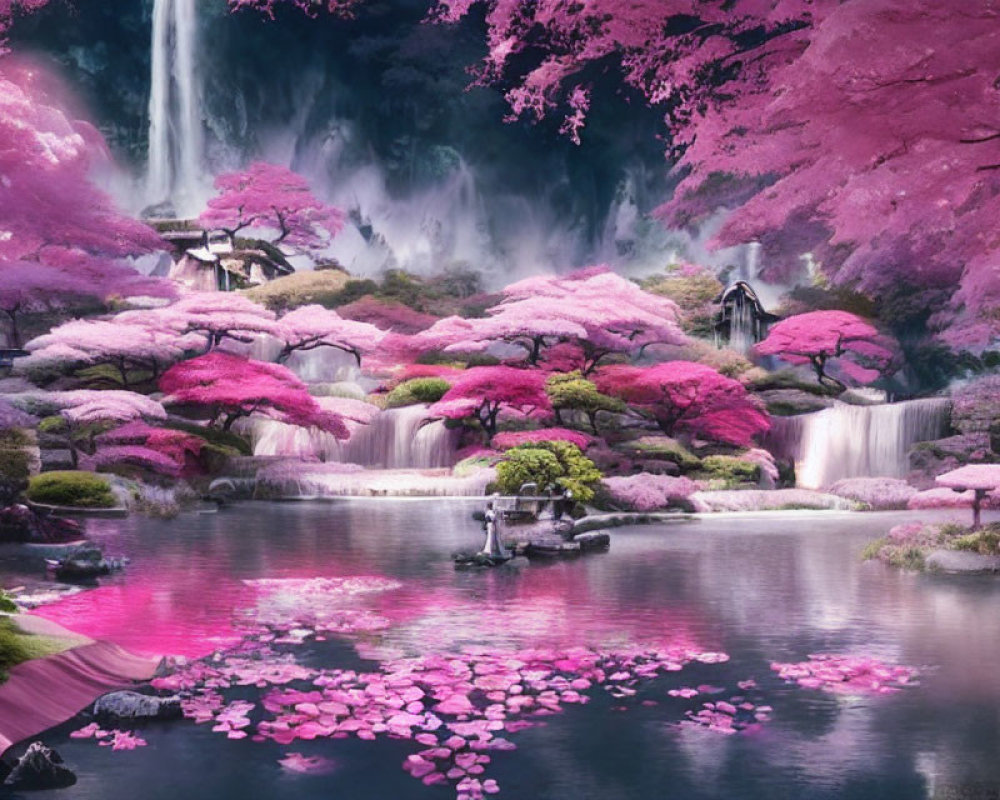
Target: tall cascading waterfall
x=395 y=439
x=175 y=121
x=852 y=441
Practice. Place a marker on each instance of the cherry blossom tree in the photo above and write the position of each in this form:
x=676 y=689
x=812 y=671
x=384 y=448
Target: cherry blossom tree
x=598 y=311
x=50 y=213
x=817 y=337
x=685 y=397
x=134 y=351
x=266 y=196
x=481 y=393
x=216 y=315
x=230 y=387
x=164 y=450
x=311 y=327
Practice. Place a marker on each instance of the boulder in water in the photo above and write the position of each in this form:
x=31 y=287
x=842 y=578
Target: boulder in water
x=593 y=542
x=127 y=705
x=40 y=768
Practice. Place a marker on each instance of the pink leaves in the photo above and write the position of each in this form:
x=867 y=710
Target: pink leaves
x=115 y=739
x=542 y=314
x=272 y=198
x=236 y=387
x=845 y=674
x=509 y=439
x=307 y=765
x=819 y=336
x=685 y=396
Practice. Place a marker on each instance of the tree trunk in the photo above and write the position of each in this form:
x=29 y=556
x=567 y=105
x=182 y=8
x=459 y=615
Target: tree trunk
x=14 y=335
x=977 y=501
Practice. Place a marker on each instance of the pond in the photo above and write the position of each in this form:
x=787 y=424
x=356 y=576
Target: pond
x=599 y=643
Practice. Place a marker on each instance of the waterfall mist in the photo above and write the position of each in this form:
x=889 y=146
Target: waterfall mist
x=378 y=114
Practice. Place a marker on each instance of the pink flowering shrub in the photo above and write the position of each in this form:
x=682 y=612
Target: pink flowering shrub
x=879 y=494
x=769 y=500
x=647 y=492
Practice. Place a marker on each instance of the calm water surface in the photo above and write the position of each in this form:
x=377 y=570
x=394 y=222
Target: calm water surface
x=762 y=589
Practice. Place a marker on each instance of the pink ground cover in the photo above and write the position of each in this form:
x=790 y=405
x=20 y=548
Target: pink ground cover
x=880 y=494
x=648 y=492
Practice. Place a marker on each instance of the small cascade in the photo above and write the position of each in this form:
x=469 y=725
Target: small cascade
x=742 y=326
x=853 y=441
x=175 y=124
x=395 y=439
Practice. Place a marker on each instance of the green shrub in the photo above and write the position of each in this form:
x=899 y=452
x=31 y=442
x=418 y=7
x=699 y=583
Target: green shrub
x=82 y=489
x=53 y=424
x=15 y=462
x=549 y=464
x=730 y=469
x=6 y=604
x=985 y=542
x=417 y=390
x=570 y=391
x=873 y=548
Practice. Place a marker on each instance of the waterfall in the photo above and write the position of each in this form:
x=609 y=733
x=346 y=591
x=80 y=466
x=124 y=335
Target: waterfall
x=743 y=326
x=395 y=439
x=175 y=126
x=851 y=441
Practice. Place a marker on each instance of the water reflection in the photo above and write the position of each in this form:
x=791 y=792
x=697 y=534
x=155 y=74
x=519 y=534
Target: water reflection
x=763 y=589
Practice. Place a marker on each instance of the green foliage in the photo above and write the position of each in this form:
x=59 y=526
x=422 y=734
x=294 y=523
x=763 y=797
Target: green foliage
x=7 y=605
x=105 y=376
x=528 y=465
x=570 y=390
x=985 y=542
x=663 y=448
x=17 y=647
x=15 y=462
x=470 y=465
x=71 y=488
x=323 y=287
x=53 y=424
x=788 y=379
x=549 y=464
x=693 y=293
x=951 y=529
x=730 y=469
x=873 y=548
x=417 y=390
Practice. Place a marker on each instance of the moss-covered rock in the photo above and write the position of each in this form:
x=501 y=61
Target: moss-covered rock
x=729 y=471
x=417 y=390
x=790 y=402
x=323 y=287
x=662 y=448
x=71 y=488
